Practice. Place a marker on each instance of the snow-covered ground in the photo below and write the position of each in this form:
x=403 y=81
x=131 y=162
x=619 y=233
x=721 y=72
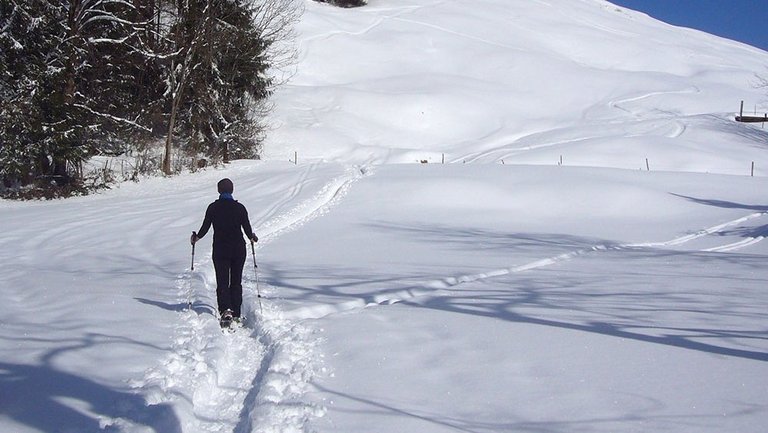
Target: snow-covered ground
x=589 y=259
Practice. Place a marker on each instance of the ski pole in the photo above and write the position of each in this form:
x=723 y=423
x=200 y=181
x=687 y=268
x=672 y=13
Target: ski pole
x=256 y=270
x=192 y=267
x=193 y=253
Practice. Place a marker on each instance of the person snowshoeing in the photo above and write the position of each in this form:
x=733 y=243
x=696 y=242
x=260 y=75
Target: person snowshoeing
x=229 y=219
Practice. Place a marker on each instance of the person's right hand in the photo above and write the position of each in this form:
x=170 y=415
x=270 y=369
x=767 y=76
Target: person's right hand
x=193 y=238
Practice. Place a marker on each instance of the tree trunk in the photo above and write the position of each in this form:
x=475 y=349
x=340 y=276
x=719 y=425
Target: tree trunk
x=169 y=139
x=174 y=111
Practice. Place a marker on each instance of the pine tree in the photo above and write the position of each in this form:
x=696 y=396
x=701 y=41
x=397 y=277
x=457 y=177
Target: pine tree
x=26 y=35
x=68 y=83
x=80 y=77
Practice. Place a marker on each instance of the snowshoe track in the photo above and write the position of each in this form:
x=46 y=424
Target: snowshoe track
x=256 y=375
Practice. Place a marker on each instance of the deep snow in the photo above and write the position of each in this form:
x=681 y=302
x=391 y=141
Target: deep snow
x=501 y=291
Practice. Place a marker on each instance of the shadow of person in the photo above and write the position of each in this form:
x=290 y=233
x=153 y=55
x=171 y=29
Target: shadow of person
x=53 y=401
x=197 y=306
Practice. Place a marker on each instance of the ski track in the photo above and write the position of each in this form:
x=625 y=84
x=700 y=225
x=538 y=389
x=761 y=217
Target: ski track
x=429 y=287
x=502 y=148
x=275 y=207
x=736 y=245
x=231 y=382
x=619 y=102
x=325 y=199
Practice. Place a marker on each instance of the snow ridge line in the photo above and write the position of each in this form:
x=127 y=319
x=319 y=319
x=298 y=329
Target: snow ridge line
x=320 y=311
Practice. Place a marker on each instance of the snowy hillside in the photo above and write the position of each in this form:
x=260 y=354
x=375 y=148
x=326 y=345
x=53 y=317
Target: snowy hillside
x=502 y=291
x=519 y=81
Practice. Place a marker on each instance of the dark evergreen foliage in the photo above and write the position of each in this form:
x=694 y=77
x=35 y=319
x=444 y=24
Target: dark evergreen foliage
x=223 y=74
x=69 y=84
x=86 y=77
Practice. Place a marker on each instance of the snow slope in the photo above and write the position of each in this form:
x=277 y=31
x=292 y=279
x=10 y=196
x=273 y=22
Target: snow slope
x=502 y=291
x=536 y=299
x=519 y=81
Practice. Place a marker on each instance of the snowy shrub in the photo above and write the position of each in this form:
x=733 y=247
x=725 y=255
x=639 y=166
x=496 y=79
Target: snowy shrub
x=345 y=3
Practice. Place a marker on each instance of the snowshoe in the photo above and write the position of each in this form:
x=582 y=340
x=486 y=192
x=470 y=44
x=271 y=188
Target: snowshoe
x=226 y=320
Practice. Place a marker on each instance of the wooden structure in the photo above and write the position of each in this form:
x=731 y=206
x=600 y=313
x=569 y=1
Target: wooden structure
x=750 y=119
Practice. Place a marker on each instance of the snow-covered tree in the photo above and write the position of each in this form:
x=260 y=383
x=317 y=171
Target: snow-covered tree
x=78 y=77
x=26 y=36
x=219 y=75
x=68 y=83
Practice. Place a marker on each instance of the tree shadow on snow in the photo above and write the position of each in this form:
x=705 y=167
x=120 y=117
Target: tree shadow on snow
x=680 y=337
x=634 y=420
x=643 y=306
x=640 y=309
x=757 y=136
x=479 y=239
x=344 y=285
x=723 y=203
x=743 y=231
x=50 y=400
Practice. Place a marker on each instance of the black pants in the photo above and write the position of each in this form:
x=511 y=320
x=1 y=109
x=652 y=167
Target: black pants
x=229 y=283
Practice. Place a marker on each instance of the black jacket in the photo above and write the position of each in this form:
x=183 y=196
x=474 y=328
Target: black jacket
x=228 y=218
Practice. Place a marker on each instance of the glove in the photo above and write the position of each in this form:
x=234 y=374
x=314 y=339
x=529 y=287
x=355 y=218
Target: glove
x=193 y=238
x=254 y=239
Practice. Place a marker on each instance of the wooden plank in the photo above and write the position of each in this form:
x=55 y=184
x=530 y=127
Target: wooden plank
x=752 y=119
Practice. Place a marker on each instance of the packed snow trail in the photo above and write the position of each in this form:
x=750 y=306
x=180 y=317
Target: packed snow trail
x=255 y=376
